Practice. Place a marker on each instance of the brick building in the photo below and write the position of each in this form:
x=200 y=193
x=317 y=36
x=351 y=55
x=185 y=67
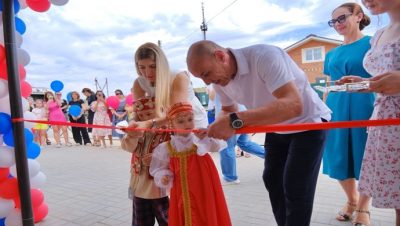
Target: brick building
x=309 y=54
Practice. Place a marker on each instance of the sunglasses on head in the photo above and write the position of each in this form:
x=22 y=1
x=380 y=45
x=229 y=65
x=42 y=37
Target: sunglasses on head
x=340 y=19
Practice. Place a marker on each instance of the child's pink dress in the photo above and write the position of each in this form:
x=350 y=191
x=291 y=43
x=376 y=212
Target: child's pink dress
x=380 y=171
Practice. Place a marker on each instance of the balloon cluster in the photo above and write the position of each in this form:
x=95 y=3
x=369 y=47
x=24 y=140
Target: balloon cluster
x=10 y=208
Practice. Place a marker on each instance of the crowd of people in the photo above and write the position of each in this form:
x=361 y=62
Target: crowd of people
x=173 y=178
x=93 y=111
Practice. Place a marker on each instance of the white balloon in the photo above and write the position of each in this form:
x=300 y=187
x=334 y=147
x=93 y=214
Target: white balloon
x=22 y=4
x=38 y=181
x=23 y=57
x=7 y=157
x=1 y=18
x=1 y=140
x=121 y=124
x=33 y=167
x=5 y=105
x=3 y=88
x=18 y=39
x=25 y=104
x=59 y=2
x=6 y=205
x=14 y=218
x=31 y=116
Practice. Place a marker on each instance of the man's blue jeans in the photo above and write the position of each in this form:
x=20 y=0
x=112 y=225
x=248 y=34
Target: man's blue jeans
x=228 y=155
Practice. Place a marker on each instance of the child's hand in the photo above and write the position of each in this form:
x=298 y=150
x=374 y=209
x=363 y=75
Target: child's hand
x=147 y=159
x=165 y=180
x=201 y=134
x=134 y=133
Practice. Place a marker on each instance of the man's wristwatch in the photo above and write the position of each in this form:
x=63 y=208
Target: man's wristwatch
x=236 y=122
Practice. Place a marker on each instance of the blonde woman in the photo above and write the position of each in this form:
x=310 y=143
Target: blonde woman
x=157 y=80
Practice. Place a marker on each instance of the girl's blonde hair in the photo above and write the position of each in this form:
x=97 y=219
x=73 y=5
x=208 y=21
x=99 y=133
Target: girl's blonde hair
x=164 y=77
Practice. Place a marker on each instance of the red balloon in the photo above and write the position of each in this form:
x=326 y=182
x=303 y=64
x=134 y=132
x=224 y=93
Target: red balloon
x=129 y=100
x=4 y=172
x=37 y=199
x=2 y=53
x=4 y=73
x=9 y=188
x=40 y=212
x=39 y=5
x=26 y=89
x=113 y=102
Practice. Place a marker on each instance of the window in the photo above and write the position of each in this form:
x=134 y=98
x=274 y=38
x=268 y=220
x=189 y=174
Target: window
x=315 y=54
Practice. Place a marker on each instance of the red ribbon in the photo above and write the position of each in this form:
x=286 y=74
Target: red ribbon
x=249 y=129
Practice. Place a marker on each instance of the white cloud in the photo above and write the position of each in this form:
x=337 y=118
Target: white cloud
x=97 y=38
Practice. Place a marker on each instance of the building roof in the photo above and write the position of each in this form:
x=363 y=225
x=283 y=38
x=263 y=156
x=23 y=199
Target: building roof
x=312 y=37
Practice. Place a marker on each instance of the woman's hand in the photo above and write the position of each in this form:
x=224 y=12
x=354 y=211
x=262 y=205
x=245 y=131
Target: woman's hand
x=147 y=159
x=165 y=180
x=349 y=79
x=387 y=83
x=139 y=129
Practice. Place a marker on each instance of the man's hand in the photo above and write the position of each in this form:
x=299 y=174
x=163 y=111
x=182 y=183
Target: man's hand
x=221 y=128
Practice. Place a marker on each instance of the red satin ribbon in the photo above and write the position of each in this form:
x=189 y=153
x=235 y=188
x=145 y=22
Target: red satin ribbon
x=249 y=129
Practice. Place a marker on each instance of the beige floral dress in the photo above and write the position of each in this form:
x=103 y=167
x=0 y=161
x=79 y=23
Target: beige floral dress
x=380 y=171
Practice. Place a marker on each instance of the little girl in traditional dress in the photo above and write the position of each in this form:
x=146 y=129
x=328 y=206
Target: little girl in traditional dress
x=183 y=164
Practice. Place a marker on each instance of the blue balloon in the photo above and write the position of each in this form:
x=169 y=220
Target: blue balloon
x=16 y=6
x=20 y=25
x=74 y=110
x=69 y=96
x=2 y=220
x=5 y=122
x=8 y=137
x=56 y=86
x=33 y=151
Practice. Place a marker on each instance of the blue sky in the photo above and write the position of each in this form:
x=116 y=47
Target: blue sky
x=85 y=39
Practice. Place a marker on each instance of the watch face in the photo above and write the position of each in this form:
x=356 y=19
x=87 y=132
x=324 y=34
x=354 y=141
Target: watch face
x=237 y=124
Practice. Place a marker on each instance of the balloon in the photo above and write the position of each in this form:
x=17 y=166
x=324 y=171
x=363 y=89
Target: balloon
x=38 y=181
x=33 y=166
x=40 y=212
x=18 y=38
x=22 y=4
x=56 y=86
x=23 y=57
x=74 y=110
x=1 y=140
x=121 y=124
x=9 y=188
x=4 y=172
x=30 y=116
x=16 y=6
x=4 y=73
x=69 y=96
x=3 y=88
x=14 y=218
x=9 y=140
x=37 y=199
x=113 y=102
x=26 y=89
x=38 y=5
x=7 y=157
x=129 y=100
x=5 y=122
x=20 y=25
x=2 y=53
x=5 y=105
x=33 y=151
x=6 y=205
x=59 y=2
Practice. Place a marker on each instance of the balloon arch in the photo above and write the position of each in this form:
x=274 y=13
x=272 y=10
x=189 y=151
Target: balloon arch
x=10 y=208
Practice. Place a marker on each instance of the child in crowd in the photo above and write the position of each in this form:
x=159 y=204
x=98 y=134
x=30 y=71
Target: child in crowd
x=40 y=129
x=183 y=163
x=149 y=201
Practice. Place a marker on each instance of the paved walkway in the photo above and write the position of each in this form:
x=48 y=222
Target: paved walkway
x=88 y=186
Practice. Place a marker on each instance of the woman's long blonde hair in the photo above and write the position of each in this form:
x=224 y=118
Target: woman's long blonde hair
x=164 y=77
